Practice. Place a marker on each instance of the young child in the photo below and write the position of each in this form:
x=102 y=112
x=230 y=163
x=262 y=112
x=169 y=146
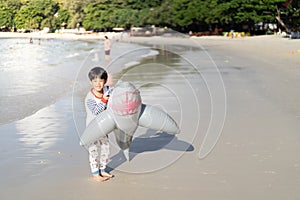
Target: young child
x=95 y=103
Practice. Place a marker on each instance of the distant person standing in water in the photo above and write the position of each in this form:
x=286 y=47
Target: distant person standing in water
x=107 y=47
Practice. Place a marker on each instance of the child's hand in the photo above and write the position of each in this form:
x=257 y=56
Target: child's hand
x=106 y=96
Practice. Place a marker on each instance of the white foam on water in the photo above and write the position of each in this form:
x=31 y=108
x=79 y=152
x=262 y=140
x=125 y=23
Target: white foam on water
x=150 y=54
x=132 y=63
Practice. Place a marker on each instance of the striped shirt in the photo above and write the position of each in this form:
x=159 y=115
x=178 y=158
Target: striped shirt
x=94 y=105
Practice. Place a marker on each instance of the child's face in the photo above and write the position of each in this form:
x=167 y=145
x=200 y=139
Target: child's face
x=98 y=84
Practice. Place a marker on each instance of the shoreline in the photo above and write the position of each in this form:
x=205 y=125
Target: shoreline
x=267 y=41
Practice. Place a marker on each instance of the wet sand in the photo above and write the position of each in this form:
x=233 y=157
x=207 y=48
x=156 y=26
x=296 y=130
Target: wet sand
x=256 y=156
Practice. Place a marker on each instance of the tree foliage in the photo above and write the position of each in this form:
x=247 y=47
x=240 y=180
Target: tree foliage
x=8 y=10
x=36 y=14
x=182 y=15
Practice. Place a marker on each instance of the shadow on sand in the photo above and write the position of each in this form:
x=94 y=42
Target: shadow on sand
x=150 y=142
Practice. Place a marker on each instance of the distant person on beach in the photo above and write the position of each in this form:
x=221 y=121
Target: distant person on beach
x=31 y=40
x=95 y=103
x=107 y=47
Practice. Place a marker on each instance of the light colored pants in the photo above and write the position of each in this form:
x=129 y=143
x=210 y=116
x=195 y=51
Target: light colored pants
x=98 y=155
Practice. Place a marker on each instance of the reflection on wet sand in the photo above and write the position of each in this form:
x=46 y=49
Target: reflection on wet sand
x=38 y=132
x=41 y=129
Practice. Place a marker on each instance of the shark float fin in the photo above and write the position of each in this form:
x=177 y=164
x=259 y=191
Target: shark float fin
x=156 y=119
x=98 y=128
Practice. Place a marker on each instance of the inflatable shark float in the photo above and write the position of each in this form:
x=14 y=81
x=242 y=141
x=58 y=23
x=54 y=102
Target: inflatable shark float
x=124 y=113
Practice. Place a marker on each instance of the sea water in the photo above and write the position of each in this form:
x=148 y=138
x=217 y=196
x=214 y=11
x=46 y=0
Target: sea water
x=34 y=75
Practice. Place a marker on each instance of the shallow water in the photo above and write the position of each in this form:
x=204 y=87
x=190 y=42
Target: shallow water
x=33 y=76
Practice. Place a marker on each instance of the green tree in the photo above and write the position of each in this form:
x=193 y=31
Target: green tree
x=97 y=16
x=37 y=14
x=240 y=12
x=76 y=9
x=190 y=14
x=288 y=14
x=63 y=17
x=183 y=15
x=8 y=10
x=106 y=14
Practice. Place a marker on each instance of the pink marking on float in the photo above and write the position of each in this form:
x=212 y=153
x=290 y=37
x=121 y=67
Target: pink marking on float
x=129 y=106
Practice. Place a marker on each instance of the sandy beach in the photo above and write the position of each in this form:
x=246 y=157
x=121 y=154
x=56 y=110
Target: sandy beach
x=237 y=102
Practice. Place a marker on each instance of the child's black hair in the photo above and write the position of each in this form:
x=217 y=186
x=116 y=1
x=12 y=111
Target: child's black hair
x=97 y=72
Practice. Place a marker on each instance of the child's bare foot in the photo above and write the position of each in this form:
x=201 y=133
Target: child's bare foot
x=106 y=175
x=100 y=178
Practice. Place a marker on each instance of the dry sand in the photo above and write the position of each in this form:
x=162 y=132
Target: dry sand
x=256 y=156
